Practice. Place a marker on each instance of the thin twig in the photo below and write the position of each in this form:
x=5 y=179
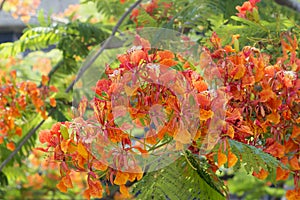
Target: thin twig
x=81 y=72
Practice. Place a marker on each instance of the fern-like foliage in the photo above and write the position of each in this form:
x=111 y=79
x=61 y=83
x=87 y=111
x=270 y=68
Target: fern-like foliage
x=254 y=159
x=179 y=181
x=110 y=7
x=32 y=39
x=78 y=36
x=193 y=15
x=203 y=16
x=73 y=38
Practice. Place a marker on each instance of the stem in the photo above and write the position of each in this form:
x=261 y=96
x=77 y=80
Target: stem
x=187 y=159
x=158 y=146
x=81 y=72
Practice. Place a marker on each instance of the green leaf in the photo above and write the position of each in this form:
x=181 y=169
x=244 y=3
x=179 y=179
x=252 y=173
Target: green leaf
x=64 y=132
x=254 y=159
x=178 y=181
x=3 y=179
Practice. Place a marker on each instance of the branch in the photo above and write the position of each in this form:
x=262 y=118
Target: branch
x=25 y=139
x=289 y=3
x=106 y=43
x=81 y=72
x=2 y=4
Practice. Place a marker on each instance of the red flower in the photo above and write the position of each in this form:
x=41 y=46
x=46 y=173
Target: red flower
x=247 y=6
x=134 y=15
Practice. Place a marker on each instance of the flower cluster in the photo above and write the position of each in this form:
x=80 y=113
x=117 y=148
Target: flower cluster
x=263 y=105
x=141 y=103
x=17 y=98
x=156 y=9
x=23 y=9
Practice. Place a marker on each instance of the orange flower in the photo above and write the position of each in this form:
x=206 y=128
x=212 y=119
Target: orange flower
x=282 y=174
x=45 y=80
x=293 y=194
x=124 y=191
x=296 y=131
x=222 y=158
x=61 y=186
x=274 y=103
x=245 y=129
x=151 y=6
x=52 y=102
x=248 y=80
x=267 y=94
x=64 y=145
x=142 y=42
x=215 y=40
x=276 y=149
x=274 y=118
x=134 y=15
x=121 y=178
x=137 y=56
x=205 y=114
x=165 y=54
x=95 y=188
x=200 y=86
x=230 y=132
x=290 y=146
x=203 y=100
x=19 y=131
x=294 y=163
x=11 y=146
x=123 y=58
x=168 y=62
x=232 y=159
x=229 y=49
x=45 y=136
x=186 y=65
x=259 y=74
x=238 y=72
x=99 y=165
x=81 y=161
x=246 y=7
x=270 y=71
x=262 y=174
x=67 y=181
x=82 y=150
x=87 y=194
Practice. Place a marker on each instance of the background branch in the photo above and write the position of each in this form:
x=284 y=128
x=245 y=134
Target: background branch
x=106 y=43
x=293 y=4
x=2 y=4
